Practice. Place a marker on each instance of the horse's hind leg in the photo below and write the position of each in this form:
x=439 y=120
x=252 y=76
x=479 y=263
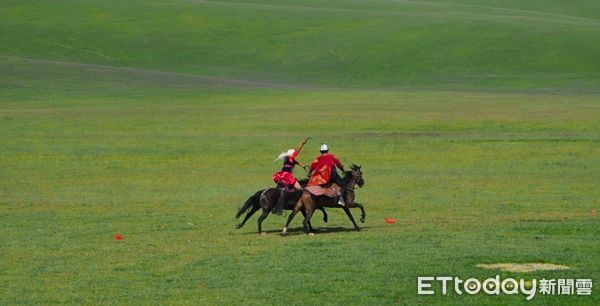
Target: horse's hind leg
x=349 y=214
x=261 y=219
x=248 y=215
x=309 y=225
x=290 y=218
x=306 y=222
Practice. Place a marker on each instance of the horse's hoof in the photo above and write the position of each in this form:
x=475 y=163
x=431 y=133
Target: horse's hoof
x=263 y=233
x=311 y=234
x=362 y=220
x=238 y=226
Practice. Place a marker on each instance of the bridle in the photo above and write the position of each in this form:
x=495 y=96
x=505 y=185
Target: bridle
x=357 y=179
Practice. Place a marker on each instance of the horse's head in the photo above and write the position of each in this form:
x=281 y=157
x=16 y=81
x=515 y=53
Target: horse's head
x=357 y=175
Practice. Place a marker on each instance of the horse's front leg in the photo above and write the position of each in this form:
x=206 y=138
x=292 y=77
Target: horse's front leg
x=349 y=214
x=363 y=215
x=325 y=217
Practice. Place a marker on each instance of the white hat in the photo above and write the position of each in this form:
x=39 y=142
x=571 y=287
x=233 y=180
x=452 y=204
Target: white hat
x=324 y=147
x=285 y=154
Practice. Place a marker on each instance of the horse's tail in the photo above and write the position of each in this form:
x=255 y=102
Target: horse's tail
x=252 y=201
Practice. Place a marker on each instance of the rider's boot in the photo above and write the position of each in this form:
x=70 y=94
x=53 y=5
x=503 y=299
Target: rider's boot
x=342 y=201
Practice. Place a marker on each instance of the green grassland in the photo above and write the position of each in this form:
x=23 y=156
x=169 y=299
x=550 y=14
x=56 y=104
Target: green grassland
x=520 y=45
x=476 y=123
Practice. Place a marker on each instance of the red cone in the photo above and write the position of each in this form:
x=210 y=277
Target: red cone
x=118 y=237
x=390 y=220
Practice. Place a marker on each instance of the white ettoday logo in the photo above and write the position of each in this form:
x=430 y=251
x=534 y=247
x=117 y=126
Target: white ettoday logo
x=492 y=286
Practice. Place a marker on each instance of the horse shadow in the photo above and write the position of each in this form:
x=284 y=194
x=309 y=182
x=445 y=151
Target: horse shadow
x=292 y=231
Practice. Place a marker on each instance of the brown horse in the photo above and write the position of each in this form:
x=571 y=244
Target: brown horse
x=308 y=203
x=267 y=199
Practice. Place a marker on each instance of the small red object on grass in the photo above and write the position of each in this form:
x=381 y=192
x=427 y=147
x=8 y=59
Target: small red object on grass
x=118 y=237
x=390 y=220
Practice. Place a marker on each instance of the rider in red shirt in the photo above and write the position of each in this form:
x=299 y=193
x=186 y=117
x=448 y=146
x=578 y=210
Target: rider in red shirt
x=322 y=171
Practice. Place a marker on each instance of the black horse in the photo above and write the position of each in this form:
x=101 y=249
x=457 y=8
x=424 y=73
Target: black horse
x=267 y=199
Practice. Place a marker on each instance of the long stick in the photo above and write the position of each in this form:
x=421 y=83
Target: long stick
x=302 y=145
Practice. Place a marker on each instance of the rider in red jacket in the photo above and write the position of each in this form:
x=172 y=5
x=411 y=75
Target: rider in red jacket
x=322 y=171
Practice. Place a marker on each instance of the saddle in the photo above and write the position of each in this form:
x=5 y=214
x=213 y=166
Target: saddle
x=285 y=188
x=331 y=190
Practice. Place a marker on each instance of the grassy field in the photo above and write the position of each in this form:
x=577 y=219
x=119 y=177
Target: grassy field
x=476 y=123
x=477 y=44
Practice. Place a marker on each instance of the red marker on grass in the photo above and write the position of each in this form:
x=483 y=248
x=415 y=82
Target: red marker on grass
x=118 y=237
